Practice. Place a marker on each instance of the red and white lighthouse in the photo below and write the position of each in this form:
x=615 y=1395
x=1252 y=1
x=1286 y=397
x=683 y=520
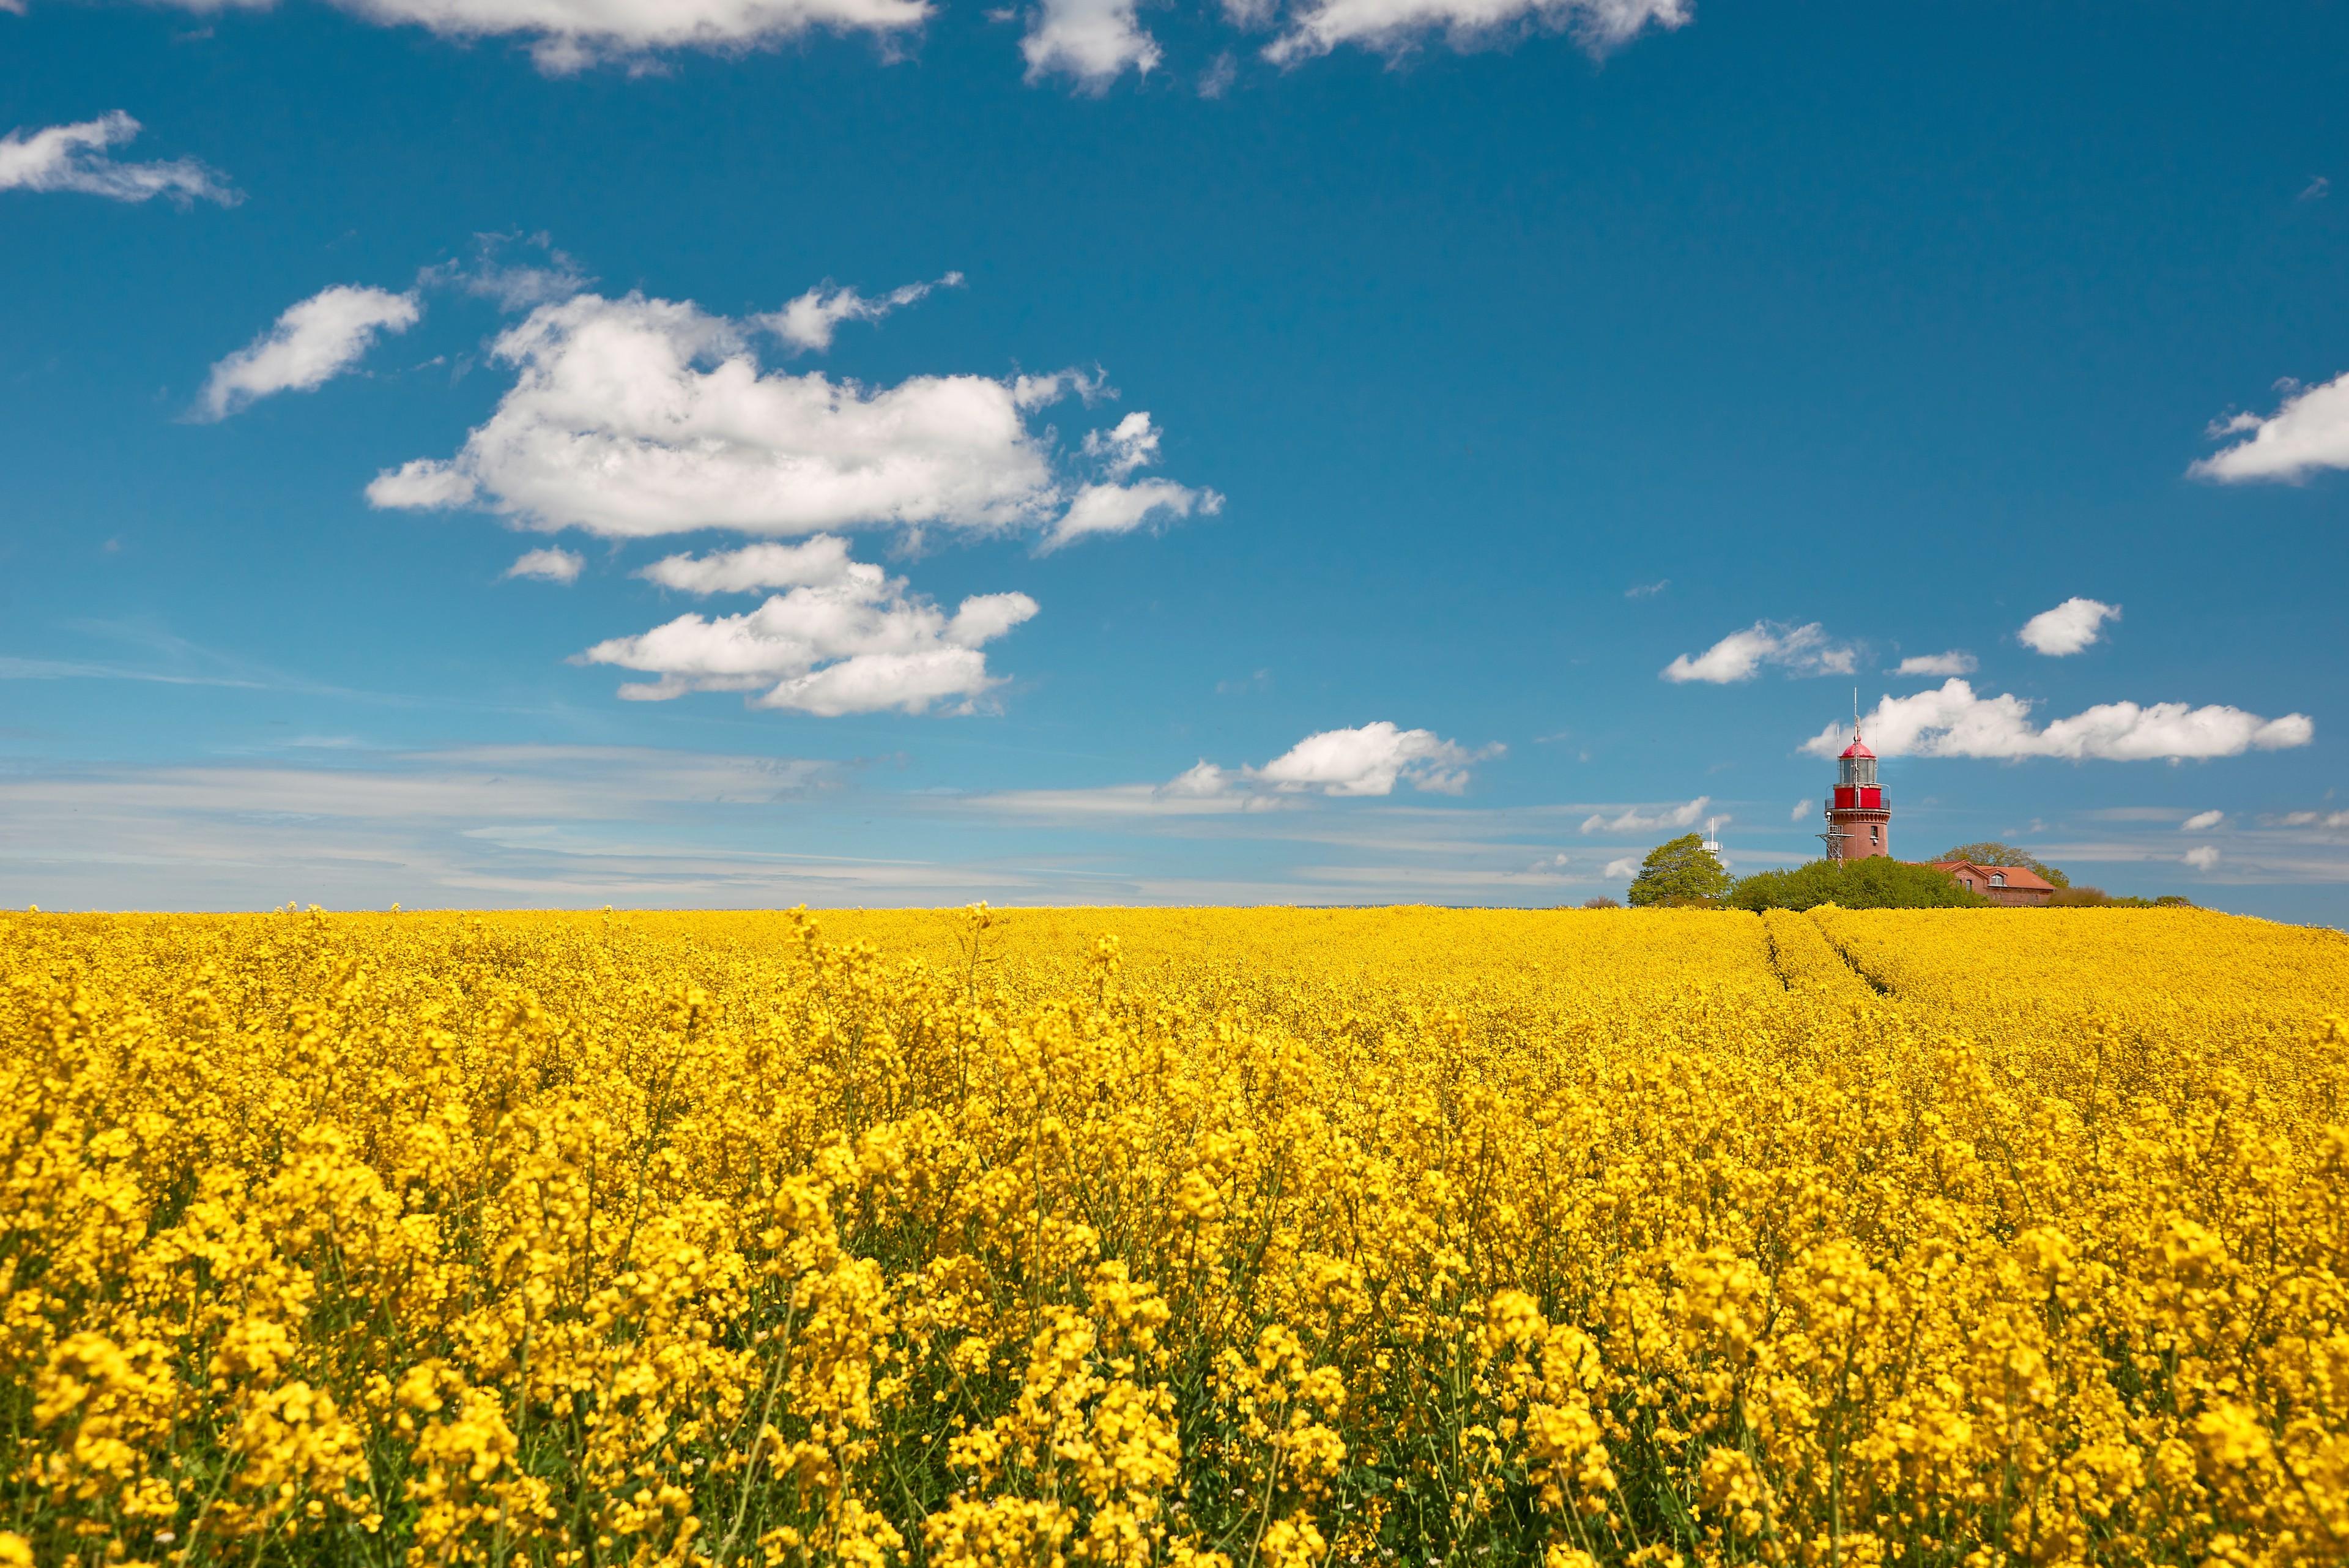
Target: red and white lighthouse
x=1859 y=817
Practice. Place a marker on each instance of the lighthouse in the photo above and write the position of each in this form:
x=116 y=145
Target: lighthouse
x=1860 y=818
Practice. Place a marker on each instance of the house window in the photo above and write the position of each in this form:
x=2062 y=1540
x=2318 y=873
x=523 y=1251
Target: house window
x=1998 y=878
x=1876 y=836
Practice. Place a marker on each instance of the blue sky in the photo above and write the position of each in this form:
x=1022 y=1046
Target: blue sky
x=1384 y=450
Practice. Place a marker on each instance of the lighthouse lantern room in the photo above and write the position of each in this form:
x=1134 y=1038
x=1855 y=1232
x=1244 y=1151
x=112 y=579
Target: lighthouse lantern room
x=1859 y=817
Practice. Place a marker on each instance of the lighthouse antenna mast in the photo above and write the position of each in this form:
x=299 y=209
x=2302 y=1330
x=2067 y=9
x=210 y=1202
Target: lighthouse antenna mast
x=1835 y=834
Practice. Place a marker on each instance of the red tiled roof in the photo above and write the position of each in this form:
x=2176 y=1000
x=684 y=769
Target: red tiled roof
x=2016 y=876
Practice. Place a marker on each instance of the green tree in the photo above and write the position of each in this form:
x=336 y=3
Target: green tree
x=1991 y=852
x=1875 y=883
x=1679 y=871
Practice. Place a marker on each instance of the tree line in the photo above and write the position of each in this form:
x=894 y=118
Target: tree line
x=1683 y=873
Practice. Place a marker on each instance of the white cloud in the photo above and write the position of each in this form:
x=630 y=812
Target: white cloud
x=1617 y=870
x=632 y=417
x=2309 y=433
x=421 y=483
x=1635 y=819
x=1198 y=782
x=2324 y=819
x=1740 y=656
x=1317 y=26
x=1802 y=808
x=1950 y=721
x=2202 y=856
x=1954 y=662
x=2202 y=822
x=571 y=35
x=1131 y=443
x=755 y=568
x=859 y=644
x=1091 y=42
x=1370 y=759
x=2075 y=624
x=1647 y=590
x=547 y=565
x=75 y=157
x=809 y=321
x=515 y=285
x=1122 y=508
x=1115 y=507
x=315 y=341
x=1366 y=761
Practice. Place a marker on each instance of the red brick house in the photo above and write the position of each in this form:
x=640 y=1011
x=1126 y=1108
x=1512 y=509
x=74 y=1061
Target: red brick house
x=2011 y=885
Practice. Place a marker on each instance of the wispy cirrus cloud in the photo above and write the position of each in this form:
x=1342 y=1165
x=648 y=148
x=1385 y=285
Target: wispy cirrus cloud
x=1649 y=818
x=1317 y=26
x=807 y=322
x=568 y=36
x=80 y=156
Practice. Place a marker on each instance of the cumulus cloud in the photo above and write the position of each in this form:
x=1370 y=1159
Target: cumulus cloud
x=1954 y=662
x=572 y=35
x=807 y=322
x=1090 y=42
x=1370 y=760
x=632 y=417
x=1113 y=505
x=312 y=343
x=2308 y=432
x=818 y=562
x=1619 y=869
x=547 y=565
x=2075 y=624
x=857 y=644
x=1740 y=656
x=1802 y=808
x=1645 y=819
x=1950 y=721
x=1122 y=508
x=2202 y=856
x=1317 y=26
x=1131 y=443
x=2202 y=822
x=76 y=158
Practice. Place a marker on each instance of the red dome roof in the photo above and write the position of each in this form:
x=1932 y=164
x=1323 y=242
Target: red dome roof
x=1859 y=748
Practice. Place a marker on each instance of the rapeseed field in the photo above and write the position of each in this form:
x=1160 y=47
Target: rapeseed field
x=1198 y=1237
